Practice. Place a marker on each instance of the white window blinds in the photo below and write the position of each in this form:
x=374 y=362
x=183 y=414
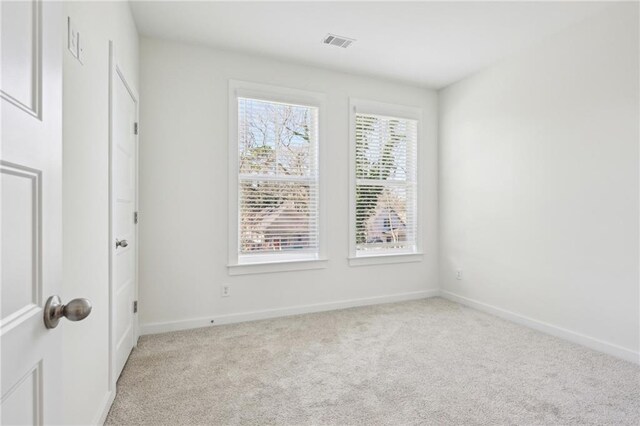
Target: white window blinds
x=386 y=184
x=278 y=179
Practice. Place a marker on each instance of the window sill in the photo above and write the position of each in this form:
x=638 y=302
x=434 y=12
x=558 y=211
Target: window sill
x=380 y=259
x=277 y=266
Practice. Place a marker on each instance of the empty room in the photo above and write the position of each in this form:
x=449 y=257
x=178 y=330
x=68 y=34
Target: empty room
x=320 y=213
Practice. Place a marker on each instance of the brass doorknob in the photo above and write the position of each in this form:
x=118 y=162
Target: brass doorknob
x=76 y=310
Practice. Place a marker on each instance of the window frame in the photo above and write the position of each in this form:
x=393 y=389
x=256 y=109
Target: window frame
x=286 y=261
x=361 y=106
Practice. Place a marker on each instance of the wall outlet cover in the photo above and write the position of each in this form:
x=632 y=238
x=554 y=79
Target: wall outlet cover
x=225 y=290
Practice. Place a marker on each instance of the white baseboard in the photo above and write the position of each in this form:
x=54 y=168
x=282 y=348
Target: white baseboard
x=163 y=327
x=563 y=333
x=104 y=408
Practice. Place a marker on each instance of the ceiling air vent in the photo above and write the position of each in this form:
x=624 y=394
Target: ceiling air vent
x=339 y=41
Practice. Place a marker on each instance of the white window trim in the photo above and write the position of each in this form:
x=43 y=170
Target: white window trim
x=274 y=263
x=388 y=110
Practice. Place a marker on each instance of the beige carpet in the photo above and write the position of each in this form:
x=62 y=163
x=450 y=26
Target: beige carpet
x=422 y=362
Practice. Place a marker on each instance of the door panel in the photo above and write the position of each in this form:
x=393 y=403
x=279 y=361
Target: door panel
x=19 y=254
x=21 y=30
x=30 y=198
x=21 y=405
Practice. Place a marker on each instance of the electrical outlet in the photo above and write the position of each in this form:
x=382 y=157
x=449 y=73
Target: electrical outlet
x=225 y=290
x=459 y=274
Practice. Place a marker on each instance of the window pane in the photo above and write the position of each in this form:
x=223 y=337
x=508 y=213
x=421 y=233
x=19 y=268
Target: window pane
x=278 y=216
x=382 y=218
x=386 y=175
x=382 y=150
x=276 y=139
x=278 y=182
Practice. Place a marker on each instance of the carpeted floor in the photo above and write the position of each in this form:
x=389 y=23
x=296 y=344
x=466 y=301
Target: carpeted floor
x=421 y=362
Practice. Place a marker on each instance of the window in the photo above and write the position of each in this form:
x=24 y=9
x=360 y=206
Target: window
x=277 y=178
x=384 y=182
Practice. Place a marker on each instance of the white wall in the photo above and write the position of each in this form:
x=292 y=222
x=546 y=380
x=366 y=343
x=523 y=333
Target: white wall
x=539 y=184
x=183 y=191
x=85 y=198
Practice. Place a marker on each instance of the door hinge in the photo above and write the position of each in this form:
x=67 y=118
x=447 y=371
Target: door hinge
x=135 y=218
x=135 y=306
x=135 y=128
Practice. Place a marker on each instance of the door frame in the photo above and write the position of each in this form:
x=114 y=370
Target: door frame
x=116 y=72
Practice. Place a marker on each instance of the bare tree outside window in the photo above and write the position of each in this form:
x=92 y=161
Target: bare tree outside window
x=385 y=183
x=278 y=177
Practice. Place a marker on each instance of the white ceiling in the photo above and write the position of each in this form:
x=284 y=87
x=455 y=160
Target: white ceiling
x=431 y=44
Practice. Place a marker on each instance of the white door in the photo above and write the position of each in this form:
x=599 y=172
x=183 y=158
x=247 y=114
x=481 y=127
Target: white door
x=30 y=179
x=123 y=221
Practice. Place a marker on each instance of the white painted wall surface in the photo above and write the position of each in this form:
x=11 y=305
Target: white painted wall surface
x=183 y=192
x=85 y=198
x=539 y=183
